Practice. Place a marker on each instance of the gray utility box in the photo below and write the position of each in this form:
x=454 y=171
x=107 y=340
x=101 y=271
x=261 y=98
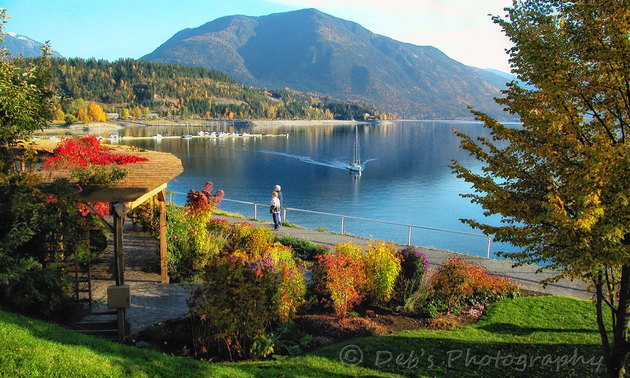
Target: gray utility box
x=119 y=296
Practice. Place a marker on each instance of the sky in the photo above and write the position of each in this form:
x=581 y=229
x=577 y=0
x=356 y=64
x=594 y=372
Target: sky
x=113 y=29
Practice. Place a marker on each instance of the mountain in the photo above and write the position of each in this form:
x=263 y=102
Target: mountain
x=495 y=77
x=22 y=45
x=311 y=51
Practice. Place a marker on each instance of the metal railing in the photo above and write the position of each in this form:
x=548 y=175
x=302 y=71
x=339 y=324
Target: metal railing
x=344 y=217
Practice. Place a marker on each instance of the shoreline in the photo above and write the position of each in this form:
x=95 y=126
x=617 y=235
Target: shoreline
x=99 y=128
x=96 y=128
x=307 y=122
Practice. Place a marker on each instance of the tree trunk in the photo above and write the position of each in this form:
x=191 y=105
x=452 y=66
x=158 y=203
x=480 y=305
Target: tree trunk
x=615 y=357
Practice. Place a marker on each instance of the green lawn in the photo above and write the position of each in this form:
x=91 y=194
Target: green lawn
x=524 y=337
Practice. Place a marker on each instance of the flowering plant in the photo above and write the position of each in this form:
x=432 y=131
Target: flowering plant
x=250 y=284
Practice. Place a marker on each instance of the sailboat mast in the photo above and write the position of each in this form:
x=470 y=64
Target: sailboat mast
x=356 y=144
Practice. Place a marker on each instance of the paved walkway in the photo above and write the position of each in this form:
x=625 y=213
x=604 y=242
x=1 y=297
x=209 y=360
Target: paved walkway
x=152 y=301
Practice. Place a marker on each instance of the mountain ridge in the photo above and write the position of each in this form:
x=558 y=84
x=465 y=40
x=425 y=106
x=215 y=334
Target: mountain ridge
x=311 y=51
x=18 y=44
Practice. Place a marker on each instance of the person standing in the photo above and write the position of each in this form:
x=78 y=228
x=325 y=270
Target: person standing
x=274 y=209
x=278 y=189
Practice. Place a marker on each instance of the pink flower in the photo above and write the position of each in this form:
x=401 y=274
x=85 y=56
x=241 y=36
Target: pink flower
x=85 y=212
x=51 y=198
x=80 y=189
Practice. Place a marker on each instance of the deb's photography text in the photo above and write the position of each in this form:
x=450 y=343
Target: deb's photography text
x=353 y=355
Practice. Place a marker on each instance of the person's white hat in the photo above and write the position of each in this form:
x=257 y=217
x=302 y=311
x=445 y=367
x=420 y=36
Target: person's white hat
x=277 y=187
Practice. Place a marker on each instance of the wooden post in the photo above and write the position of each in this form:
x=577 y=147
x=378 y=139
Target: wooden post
x=118 y=248
x=118 y=220
x=161 y=197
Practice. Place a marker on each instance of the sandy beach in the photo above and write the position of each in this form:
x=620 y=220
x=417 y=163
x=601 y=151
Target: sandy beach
x=81 y=129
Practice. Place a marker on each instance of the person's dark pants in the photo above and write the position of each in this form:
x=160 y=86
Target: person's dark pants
x=276 y=220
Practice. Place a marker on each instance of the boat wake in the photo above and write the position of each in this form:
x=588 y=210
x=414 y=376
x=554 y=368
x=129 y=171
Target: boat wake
x=306 y=159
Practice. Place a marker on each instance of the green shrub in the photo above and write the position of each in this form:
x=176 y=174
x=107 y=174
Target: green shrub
x=188 y=243
x=382 y=265
x=292 y=290
x=245 y=290
x=289 y=339
x=412 y=285
x=41 y=233
x=233 y=308
x=303 y=248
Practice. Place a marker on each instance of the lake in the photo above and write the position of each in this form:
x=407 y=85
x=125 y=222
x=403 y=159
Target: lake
x=406 y=177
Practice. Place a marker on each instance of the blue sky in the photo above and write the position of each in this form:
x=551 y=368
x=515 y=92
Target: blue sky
x=113 y=29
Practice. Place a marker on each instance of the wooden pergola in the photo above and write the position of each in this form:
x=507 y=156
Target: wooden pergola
x=146 y=180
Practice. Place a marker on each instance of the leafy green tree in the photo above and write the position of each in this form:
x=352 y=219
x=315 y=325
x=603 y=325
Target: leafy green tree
x=26 y=103
x=561 y=181
x=29 y=278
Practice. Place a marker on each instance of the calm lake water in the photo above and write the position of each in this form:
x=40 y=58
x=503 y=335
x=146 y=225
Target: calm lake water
x=406 y=177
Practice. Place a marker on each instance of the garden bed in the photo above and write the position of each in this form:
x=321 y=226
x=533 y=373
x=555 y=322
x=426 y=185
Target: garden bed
x=174 y=336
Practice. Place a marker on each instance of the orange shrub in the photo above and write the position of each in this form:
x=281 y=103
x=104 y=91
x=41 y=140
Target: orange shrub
x=342 y=277
x=458 y=283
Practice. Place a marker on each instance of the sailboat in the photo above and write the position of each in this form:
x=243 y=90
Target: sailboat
x=355 y=166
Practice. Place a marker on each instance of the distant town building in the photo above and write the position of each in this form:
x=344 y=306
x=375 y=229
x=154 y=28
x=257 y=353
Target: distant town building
x=113 y=115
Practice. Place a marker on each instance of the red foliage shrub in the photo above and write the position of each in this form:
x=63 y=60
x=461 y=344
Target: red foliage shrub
x=84 y=151
x=203 y=202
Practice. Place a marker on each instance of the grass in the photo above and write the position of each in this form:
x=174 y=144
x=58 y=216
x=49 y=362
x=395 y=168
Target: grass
x=228 y=214
x=303 y=248
x=535 y=336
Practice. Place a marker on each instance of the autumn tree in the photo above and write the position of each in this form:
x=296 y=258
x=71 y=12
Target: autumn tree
x=136 y=112
x=82 y=115
x=96 y=113
x=561 y=181
x=59 y=114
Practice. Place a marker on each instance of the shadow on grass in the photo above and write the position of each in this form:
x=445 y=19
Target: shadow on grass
x=494 y=347
x=31 y=347
x=442 y=357
x=516 y=330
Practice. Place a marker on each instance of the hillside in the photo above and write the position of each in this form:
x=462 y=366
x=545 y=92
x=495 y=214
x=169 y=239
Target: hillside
x=311 y=51
x=170 y=89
